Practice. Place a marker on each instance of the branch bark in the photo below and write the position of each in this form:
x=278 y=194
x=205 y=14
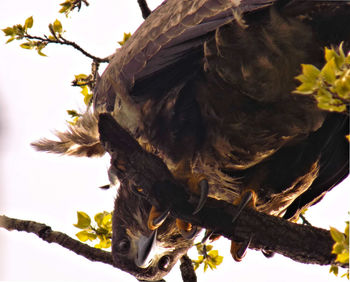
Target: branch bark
x=187 y=272
x=305 y=244
x=45 y=232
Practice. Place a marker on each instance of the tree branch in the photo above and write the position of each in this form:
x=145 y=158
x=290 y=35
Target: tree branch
x=145 y=10
x=187 y=272
x=301 y=243
x=47 y=234
x=61 y=40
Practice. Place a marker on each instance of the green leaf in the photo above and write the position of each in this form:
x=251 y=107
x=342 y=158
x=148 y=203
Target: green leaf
x=11 y=39
x=26 y=45
x=87 y=99
x=107 y=221
x=213 y=253
x=328 y=71
x=334 y=269
x=98 y=218
x=84 y=235
x=125 y=38
x=218 y=260
x=211 y=264
x=57 y=26
x=337 y=235
x=205 y=266
x=342 y=86
x=66 y=6
x=28 y=23
x=310 y=73
x=343 y=258
x=9 y=31
x=85 y=90
x=338 y=248
x=305 y=88
x=346 y=274
x=104 y=243
x=41 y=53
x=84 y=220
x=73 y=113
x=18 y=30
x=346 y=232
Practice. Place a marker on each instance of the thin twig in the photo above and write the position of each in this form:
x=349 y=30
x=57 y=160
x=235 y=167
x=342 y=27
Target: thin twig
x=145 y=10
x=305 y=221
x=47 y=234
x=61 y=40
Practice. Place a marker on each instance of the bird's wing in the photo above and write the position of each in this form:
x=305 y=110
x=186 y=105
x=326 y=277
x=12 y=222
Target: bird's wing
x=334 y=164
x=168 y=37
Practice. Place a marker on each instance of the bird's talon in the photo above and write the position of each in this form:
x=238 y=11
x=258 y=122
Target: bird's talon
x=247 y=198
x=239 y=250
x=267 y=253
x=187 y=230
x=156 y=218
x=204 y=190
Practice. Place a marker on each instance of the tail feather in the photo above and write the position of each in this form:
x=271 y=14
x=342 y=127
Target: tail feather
x=81 y=139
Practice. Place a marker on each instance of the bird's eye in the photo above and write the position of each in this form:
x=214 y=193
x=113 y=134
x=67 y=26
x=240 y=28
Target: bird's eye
x=123 y=246
x=164 y=263
x=138 y=191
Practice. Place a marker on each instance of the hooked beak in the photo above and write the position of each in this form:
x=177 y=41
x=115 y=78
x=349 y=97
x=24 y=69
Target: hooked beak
x=145 y=245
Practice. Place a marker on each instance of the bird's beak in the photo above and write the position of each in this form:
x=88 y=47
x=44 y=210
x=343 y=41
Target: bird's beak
x=145 y=245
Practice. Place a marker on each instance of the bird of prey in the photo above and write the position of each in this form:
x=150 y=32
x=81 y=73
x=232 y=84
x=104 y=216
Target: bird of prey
x=207 y=86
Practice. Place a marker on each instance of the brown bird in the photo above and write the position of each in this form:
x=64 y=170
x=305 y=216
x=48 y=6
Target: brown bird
x=207 y=86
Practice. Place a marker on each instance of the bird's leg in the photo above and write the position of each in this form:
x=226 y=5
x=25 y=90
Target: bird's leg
x=247 y=198
x=198 y=185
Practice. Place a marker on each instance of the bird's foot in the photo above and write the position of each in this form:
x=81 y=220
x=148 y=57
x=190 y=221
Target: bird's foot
x=247 y=199
x=156 y=219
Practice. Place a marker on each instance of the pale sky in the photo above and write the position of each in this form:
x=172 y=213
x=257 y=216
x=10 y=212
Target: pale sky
x=35 y=93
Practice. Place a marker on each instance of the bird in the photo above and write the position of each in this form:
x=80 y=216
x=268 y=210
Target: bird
x=207 y=86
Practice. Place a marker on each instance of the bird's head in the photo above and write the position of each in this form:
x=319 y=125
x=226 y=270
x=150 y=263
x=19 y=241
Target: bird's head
x=146 y=254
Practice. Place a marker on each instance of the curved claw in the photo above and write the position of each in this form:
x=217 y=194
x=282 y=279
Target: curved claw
x=247 y=197
x=267 y=253
x=204 y=190
x=156 y=218
x=239 y=250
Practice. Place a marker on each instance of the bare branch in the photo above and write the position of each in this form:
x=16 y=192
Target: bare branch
x=61 y=40
x=47 y=234
x=187 y=272
x=145 y=10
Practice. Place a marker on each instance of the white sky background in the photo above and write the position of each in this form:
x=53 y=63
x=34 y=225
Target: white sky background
x=35 y=93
